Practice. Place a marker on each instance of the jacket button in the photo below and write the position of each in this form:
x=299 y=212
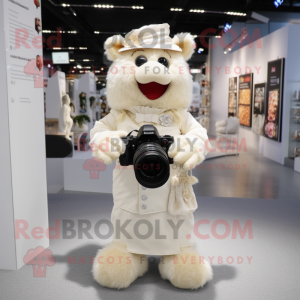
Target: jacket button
x=144 y=206
x=143 y=188
x=144 y=197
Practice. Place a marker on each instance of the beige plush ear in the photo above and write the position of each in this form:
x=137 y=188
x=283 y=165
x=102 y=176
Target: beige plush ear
x=112 y=45
x=186 y=42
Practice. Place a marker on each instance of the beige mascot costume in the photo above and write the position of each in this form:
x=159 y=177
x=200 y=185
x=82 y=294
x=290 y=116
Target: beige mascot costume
x=149 y=83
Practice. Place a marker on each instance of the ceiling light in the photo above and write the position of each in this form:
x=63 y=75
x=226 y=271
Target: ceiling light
x=82 y=48
x=71 y=59
x=96 y=32
x=79 y=66
x=56 y=48
x=64 y=5
x=176 y=9
x=197 y=10
x=73 y=11
x=278 y=3
x=200 y=50
x=229 y=49
x=102 y=68
x=227 y=27
x=86 y=60
x=235 y=13
x=71 y=48
x=225 y=52
x=217 y=36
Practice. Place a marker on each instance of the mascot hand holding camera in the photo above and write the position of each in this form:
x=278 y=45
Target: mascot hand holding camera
x=149 y=88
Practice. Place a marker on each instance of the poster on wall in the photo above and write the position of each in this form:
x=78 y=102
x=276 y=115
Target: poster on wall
x=258 y=111
x=245 y=99
x=232 y=97
x=272 y=126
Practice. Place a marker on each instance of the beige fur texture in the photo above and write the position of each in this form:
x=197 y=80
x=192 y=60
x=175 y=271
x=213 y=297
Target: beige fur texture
x=186 y=42
x=112 y=45
x=123 y=75
x=184 y=155
x=115 y=267
x=108 y=152
x=186 y=270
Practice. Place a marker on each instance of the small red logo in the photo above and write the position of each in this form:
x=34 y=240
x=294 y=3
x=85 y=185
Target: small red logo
x=39 y=258
x=94 y=165
x=273 y=70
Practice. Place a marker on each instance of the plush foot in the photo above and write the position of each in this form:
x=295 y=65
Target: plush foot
x=114 y=267
x=187 y=270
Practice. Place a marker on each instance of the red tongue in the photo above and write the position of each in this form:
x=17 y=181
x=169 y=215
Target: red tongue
x=153 y=90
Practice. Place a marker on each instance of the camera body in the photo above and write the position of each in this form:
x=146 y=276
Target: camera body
x=148 y=153
x=147 y=133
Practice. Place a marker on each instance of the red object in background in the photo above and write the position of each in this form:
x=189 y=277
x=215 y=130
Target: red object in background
x=37 y=3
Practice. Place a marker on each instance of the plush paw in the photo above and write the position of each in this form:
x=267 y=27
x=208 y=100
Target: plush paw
x=115 y=267
x=187 y=151
x=108 y=146
x=186 y=270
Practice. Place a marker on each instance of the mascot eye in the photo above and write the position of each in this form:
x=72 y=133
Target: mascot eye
x=140 y=60
x=163 y=61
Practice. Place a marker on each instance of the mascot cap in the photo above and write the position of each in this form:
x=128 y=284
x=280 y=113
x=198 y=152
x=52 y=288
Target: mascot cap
x=154 y=36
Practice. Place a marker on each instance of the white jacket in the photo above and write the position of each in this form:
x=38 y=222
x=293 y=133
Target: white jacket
x=127 y=192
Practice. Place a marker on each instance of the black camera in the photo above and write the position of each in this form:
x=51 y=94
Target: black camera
x=148 y=153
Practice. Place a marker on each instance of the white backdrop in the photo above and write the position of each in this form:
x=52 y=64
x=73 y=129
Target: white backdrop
x=23 y=183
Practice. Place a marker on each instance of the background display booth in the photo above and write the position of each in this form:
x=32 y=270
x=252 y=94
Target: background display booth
x=254 y=58
x=77 y=172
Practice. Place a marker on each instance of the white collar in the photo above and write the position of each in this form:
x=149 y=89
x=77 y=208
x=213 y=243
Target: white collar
x=148 y=114
x=147 y=110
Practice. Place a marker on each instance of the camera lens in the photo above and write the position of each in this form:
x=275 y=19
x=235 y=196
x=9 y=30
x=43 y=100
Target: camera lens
x=151 y=165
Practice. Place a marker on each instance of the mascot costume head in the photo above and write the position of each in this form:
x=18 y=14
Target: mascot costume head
x=149 y=82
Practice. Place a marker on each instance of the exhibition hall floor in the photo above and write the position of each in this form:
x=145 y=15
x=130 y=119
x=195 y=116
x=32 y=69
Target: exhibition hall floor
x=265 y=266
